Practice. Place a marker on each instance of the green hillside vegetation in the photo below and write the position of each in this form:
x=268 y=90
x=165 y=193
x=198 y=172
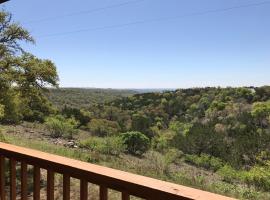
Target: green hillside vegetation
x=82 y=97
x=223 y=130
x=216 y=139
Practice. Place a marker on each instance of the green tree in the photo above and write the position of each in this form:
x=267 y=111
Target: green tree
x=103 y=127
x=23 y=77
x=12 y=106
x=59 y=126
x=136 y=142
x=81 y=115
x=11 y=36
x=141 y=123
x=261 y=112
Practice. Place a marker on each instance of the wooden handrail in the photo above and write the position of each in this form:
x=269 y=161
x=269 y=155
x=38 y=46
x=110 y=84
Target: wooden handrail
x=124 y=182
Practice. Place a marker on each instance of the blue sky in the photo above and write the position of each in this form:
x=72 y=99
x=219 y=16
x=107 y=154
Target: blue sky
x=217 y=49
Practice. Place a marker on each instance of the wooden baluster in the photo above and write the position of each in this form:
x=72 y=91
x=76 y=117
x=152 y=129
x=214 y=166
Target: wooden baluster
x=50 y=185
x=12 y=165
x=66 y=187
x=36 y=183
x=23 y=180
x=125 y=196
x=2 y=178
x=103 y=193
x=83 y=190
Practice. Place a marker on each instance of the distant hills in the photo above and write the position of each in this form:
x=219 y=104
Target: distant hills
x=85 y=97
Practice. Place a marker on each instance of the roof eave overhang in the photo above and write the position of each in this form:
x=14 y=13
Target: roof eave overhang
x=3 y=1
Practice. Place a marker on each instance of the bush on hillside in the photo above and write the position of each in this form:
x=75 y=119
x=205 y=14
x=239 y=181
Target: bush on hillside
x=206 y=161
x=156 y=163
x=107 y=145
x=103 y=127
x=163 y=141
x=259 y=177
x=58 y=126
x=2 y=111
x=173 y=155
x=81 y=115
x=136 y=142
x=2 y=137
x=228 y=174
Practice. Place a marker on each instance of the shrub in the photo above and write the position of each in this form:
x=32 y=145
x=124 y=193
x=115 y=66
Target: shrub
x=259 y=177
x=205 y=161
x=2 y=111
x=2 y=137
x=61 y=127
x=136 y=142
x=91 y=143
x=163 y=141
x=103 y=127
x=237 y=191
x=173 y=155
x=82 y=116
x=228 y=174
x=107 y=145
x=142 y=123
x=156 y=163
x=216 y=163
x=180 y=128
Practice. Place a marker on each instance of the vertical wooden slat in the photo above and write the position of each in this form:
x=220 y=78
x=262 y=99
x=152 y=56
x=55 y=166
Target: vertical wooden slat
x=83 y=190
x=50 y=185
x=103 y=192
x=36 y=183
x=23 y=180
x=125 y=196
x=66 y=187
x=12 y=179
x=2 y=178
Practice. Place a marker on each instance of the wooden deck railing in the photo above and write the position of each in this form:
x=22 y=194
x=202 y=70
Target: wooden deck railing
x=126 y=183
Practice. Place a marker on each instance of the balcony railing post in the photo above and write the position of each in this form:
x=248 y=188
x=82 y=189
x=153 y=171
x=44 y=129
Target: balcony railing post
x=36 y=183
x=2 y=178
x=23 y=180
x=103 y=192
x=125 y=196
x=50 y=185
x=83 y=190
x=12 y=165
x=66 y=187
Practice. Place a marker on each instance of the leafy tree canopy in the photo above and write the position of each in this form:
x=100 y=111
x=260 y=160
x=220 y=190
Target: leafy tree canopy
x=23 y=77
